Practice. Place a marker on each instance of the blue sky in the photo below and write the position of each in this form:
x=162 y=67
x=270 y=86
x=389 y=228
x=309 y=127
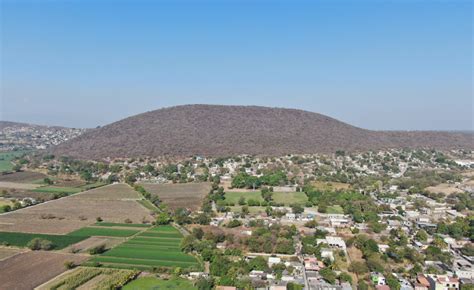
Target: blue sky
x=375 y=64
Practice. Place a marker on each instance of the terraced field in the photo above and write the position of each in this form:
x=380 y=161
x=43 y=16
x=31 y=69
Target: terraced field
x=155 y=247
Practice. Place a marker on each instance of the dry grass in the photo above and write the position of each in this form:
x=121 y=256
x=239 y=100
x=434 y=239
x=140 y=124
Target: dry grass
x=444 y=188
x=31 y=269
x=185 y=195
x=113 y=203
x=321 y=185
x=8 y=252
x=17 y=185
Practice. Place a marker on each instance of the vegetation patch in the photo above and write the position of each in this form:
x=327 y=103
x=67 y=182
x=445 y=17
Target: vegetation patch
x=105 y=224
x=103 y=231
x=155 y=283
x=22 y=239
x=57 y=189
x=156 y=247
x=112 y=279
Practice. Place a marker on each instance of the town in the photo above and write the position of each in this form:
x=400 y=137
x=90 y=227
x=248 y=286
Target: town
x=393 y=219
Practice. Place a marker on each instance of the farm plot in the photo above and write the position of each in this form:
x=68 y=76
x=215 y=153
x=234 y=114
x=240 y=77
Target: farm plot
x=103 y=231
x=8 y=252
x=31 y=269
x=185 y=195
x=286 y=198
x=113 y=203
x=156 y=247
x=90 y=278
x=155 y=283
x=22 y=177
x=22 y=239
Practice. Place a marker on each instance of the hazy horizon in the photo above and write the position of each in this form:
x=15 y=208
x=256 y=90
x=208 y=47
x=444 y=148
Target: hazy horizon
x=384 y=65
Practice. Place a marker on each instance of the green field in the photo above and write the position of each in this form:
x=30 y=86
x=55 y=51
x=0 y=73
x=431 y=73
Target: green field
x=285 y=198
x=288 y=198
x=57 y=189
x=233 y=197
x=151 y=283
x=147 y=204
x=103 y=231
x=155 y=247
x=7 y=157
x=22 y=239
x=105 y=224
x=335 y=209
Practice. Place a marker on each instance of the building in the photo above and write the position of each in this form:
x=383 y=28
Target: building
x=442 y=282
x=334 y=242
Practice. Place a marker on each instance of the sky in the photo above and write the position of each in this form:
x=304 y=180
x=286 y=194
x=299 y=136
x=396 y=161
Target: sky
x=376 y=64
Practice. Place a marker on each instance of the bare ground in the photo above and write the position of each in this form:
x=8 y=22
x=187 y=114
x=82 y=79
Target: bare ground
x=113 y=203
x=185 y=195
x=31 y=269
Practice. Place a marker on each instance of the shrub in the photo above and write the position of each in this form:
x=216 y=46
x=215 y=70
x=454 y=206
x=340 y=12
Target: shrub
x=69 y=265
x=97 y=250
x=40 y=244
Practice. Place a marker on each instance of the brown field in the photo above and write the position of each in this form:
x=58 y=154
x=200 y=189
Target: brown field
x=186 y=195
x=22 y=193
x=444 y=188
x=31 y=269
x=85 y=245
x=112 y=192
x=22 y=177
x=330 y=185
x=8 y=252
x=17 y=185
x=113 y=203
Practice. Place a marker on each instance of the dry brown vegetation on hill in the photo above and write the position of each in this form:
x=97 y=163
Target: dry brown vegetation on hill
x=211 y=130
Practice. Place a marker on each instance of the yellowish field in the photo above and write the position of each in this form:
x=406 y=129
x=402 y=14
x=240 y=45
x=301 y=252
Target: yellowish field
x=444 y=188
x=113 y=203
x=330 y=185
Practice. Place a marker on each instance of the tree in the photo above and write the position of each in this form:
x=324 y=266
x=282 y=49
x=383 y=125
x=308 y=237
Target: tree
x=345 y=277
x=297 y=208
x=421 y=236
x=328 y=275
x=362 y=285
x=198 y=233
x=47 y=180
x=242 y=201
x=358 y=267
x=234 y=224
x=205 y=283
x=40 y=244
x=163 y=218
x=245 y=210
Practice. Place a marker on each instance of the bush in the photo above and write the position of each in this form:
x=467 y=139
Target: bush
x=40 y=244
x=97 y=250
x=69 y=265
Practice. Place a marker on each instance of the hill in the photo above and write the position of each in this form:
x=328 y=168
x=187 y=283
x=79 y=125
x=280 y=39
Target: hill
x=212 y=130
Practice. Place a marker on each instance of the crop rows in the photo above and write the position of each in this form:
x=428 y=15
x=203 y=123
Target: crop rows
x=156 y=247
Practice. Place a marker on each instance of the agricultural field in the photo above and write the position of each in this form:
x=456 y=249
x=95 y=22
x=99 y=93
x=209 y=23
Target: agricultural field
x=103 y=231
x=233 y=197
x=23 y=177
x=7 y=157
x=288 y=198
x=6 y=252
x=114 y=203
x=155 y=247
x=57 y=189
x=145 y=283
x=285 y=198
x=124 y=225
x=185 y=195
x=90 y=278
x=21 y=239
x=31 y=269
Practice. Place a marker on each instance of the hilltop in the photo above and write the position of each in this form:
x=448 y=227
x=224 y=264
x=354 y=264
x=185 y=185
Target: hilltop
x=214 y=130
